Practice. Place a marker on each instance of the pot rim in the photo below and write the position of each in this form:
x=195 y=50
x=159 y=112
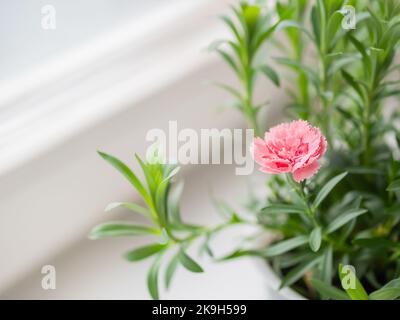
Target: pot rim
x=273 y=282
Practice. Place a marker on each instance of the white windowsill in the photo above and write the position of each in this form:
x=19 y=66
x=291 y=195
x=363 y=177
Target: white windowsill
x=59 y=99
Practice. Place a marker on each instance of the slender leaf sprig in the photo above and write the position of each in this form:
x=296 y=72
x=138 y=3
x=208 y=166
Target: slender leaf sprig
x=250 y=28
x=354 y=290
x=377 y=53
x=161 y=198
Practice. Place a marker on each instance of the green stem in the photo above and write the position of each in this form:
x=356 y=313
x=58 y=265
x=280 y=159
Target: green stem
x=365 y=140
x=326 y=116
x=250 y=111
x=209 y=230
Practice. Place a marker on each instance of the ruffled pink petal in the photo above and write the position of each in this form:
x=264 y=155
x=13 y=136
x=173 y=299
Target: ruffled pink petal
x=276 y=166
x=270 y=170
x=258 y=150
x=306 y=172
x=290 y=147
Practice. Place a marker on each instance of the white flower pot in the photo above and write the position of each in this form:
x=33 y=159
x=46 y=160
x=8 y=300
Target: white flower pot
x=272 y=282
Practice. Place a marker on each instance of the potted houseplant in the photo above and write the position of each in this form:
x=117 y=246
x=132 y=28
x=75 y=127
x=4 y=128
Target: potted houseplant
x=333 y=172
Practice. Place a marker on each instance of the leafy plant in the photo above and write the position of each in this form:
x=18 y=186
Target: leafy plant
x=250 y=30
x=351 y=218
x=170 y=235
x=347 y=83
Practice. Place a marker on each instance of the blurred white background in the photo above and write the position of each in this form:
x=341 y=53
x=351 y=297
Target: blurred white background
x=25 y=45
x=108 y=73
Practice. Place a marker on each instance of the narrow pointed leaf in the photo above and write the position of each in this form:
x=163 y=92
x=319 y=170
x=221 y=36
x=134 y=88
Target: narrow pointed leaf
x=390 y=291
x=127 y=173
x=344 y=218
x=113 y=230
x=353 y=83
x=174 y=197
x=189 y=263
x=280 y=208
x=171 y=268
x=356 y=293
x=270 y=73
x=296 y=273
x=329 y=291
x=130 y=206
x=327 y=188
x=315 y=239
x=152 y=278
x=327 y=265
x=228 y=21
x=144 y=252
x=394 y=186
x=230 y=61
x=285 y=246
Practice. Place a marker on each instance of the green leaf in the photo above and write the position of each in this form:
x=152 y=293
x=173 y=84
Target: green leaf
x=229 y=89
x=327 y=262
x=149 y=172
x=339 y=63
x=394 y=186
x=205 y=247
x=223 y=208
x=299 y=67
x=189 y=263
x=393 y=210
x=230 y=61
x=296 y=273
x=315 y=25
x=390 y=291
x=216 y=44
x=334 y=23
x=344 y=218
x=284 y=246
x=171 y=268
x=360 y=47
x=375 y=243
x=128 y=205
x=251 y=14
x=357 y=293
x=281 y=208
x=364 y=170
x=113 y=230
x=173 y=173
x=353 y=83
x=322 y=23
x=127 y=173
x=287 y=24
x=161 y=197
x=174 y=197
x=240 y=253
x=144 y=252
x=152 y=278
x=270 y=73
x=228 y=21
x=315 y=239
x=265 y=35
x=329 y=291
x=327 y=188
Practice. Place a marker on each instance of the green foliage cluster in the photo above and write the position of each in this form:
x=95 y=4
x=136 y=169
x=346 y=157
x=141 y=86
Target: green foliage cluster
x=171 y=236
x=347 y=83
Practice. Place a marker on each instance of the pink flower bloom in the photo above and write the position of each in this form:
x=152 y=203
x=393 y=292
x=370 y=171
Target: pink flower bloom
x=292 y=147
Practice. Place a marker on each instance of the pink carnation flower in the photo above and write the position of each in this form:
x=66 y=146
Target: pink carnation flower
x=292 y=147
